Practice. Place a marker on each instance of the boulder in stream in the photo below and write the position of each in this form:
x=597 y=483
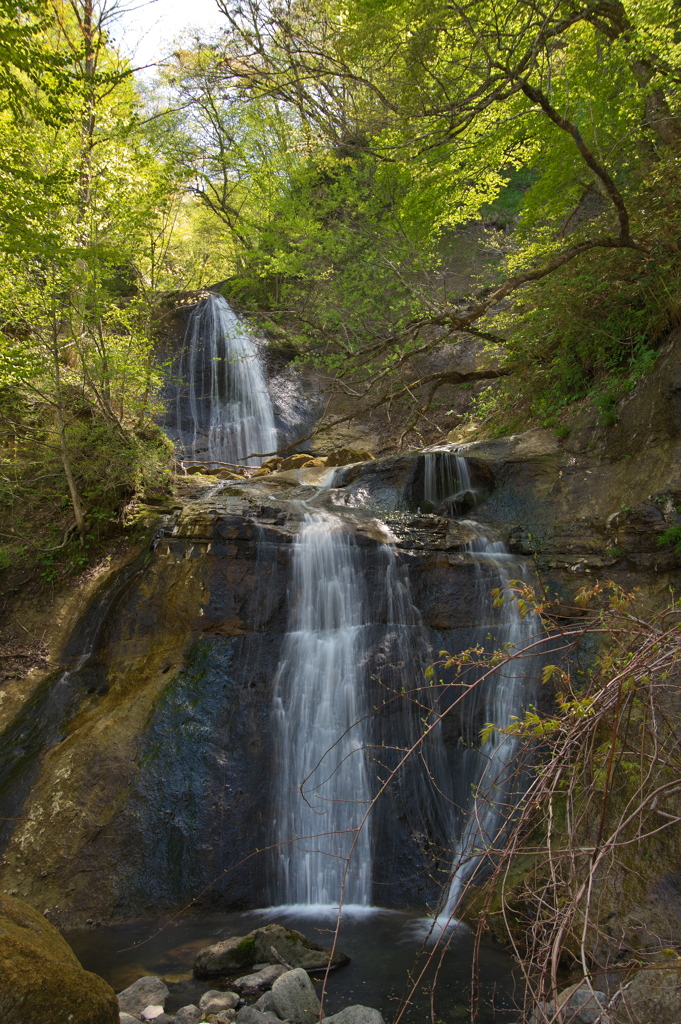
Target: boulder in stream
x=266 y=1003
x=583 y=1005
x=295 y=999
x=41 y=980
x=213 y=1001
x=254 y=984
x=289 y=946
x=356 y=1014
x=146 y=991
x=251 y=1015
x=189 y=1014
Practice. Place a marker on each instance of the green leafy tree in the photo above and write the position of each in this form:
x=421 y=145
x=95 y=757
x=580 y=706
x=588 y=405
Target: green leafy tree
x=450 y=101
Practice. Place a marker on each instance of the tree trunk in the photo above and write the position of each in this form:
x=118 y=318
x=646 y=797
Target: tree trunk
x=63 y=446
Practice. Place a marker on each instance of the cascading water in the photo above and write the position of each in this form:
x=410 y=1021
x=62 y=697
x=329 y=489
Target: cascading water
x=227 y=414
x=319 y=704
x=496 y=781
x=343 y=639
x=447 y=481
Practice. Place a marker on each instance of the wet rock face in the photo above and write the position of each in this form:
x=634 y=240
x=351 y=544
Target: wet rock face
x=41 y=981
x=159 y=784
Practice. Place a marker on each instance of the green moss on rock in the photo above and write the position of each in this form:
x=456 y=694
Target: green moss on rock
x=41 y=981
x=245 y=951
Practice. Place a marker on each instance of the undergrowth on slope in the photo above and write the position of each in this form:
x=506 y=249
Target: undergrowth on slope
x=601 y=812
x=592 y=330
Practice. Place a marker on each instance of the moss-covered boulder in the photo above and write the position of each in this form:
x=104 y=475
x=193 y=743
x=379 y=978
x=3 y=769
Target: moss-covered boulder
x=257 y=947
x=345 y=456
x=294 y=948
x=295 y=461
x=41 y=981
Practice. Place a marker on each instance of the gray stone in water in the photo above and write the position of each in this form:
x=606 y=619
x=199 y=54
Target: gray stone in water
x=265 y=1003
x=127 y=1018
x=542 y=1013
x=356 y=1014
x=147 y=991
x=580 y=1005
x=213 y=1001
x=250 y=984
x=249 y=1015
x=188 y=1015
x=294 y=998
x=152 y=1012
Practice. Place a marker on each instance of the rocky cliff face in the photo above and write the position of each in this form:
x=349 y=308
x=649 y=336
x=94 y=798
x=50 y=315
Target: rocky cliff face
x=140 y=768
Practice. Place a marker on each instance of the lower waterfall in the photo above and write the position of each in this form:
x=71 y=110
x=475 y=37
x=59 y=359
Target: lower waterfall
x=322 y=788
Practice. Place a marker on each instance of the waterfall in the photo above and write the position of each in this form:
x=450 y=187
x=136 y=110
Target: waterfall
x=489 y=770
x=229 y=415
x=318 y=703
x=447 y=481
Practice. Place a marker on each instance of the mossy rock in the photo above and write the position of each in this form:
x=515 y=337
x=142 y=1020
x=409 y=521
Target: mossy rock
x=256 y=947
x=295 y=461
x=294 y=948
x=345 y=456
x=41 y=981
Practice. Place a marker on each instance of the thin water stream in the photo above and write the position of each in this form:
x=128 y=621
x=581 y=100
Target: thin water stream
x=491 y=783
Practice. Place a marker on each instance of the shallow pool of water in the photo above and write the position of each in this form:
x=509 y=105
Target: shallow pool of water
x=385 y=948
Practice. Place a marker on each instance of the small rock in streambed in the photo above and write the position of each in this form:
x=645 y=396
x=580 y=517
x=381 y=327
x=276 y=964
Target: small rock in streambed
x=127 y=1018
x=295 y=999
x=265 y=1004
x=147 y=991
x=189 y=1014
x=356 y=1014
x=152 y=1012
x=249 y=1015
x=213 y=1001
x=251 y=984
x=583 y=1005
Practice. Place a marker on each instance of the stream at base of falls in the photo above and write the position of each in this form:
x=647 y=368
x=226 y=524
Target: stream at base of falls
x=383 y=946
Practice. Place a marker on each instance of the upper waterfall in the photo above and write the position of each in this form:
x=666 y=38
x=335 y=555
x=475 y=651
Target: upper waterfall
x=227 y=415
